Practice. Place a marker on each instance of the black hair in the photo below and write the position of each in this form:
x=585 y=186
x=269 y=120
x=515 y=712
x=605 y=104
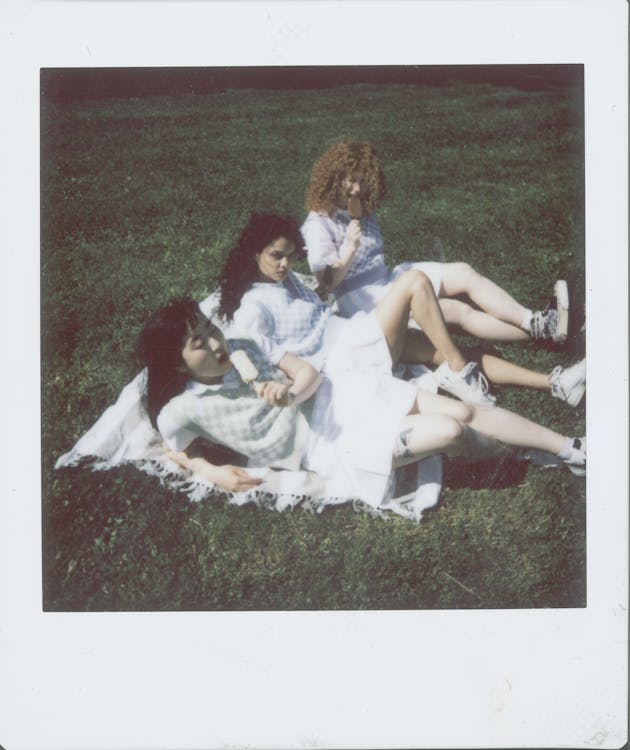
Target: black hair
x=159 y=349
x=240 y=269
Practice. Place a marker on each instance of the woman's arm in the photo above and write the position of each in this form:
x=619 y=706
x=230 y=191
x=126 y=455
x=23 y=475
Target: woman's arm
x=305 y=379
x=330 y=277
x=228 y=477
x=329 y=263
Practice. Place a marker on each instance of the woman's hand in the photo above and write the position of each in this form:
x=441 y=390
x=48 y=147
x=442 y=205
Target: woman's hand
x=353 y=235
x=227 y=477
x=273 y=393
x=305 y=379
x=330 y=277
x=233 y=478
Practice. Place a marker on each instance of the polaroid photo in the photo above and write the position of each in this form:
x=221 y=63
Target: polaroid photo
x=485 y=605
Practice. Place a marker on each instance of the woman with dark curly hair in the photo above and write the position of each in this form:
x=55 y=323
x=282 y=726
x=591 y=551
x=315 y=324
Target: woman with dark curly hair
x=240 y=269
x=265 y=299
x=345 y=252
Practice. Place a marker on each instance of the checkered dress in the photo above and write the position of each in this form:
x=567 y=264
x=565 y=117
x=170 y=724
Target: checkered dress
x=325 y=237
x=283 y=317
x=231 y=414
x=332 y=434
x=368 y=277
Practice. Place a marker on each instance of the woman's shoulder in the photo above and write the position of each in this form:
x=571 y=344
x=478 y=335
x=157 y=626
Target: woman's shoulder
x=254 y=301
x=317 y=216
x=317 y=224
x=316 y=219
x=175 y=415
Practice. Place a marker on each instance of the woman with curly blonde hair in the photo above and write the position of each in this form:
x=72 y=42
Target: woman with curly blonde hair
x=330 y=172
x=345 y=246
x=345 y=252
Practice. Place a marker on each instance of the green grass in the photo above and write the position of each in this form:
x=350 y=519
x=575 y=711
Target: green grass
x=141 y=199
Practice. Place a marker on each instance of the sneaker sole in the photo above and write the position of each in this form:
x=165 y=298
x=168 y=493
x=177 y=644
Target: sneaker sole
x=577 y=397
x=561 y=292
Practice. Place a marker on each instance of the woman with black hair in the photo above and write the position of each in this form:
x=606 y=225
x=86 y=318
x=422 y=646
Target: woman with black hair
x=350 y=424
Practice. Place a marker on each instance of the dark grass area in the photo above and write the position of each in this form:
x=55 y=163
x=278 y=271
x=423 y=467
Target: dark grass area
x=141 y=196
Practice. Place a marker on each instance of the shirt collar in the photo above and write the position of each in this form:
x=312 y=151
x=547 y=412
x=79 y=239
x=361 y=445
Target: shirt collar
x=273 y=284
x=196 y=388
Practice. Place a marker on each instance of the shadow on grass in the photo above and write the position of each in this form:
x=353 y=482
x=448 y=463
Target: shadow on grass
x=490 y=474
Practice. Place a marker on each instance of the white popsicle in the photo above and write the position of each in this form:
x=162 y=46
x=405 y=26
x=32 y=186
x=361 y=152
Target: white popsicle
x=244 y=366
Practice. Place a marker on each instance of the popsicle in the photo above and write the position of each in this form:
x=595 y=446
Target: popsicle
x=244 y=366
x=354 y=207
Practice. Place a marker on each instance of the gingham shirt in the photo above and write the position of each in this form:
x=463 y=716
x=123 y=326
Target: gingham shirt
x=231 y=414
x=283 y=317
x=325 y=240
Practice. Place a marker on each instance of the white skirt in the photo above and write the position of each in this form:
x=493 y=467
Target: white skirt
x=366 y=298
x=357 y=412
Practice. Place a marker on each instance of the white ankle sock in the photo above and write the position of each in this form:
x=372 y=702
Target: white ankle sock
x=526 y=323
x=567 y=447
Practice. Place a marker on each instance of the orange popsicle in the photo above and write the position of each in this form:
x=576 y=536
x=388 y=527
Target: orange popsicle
x=355 y=209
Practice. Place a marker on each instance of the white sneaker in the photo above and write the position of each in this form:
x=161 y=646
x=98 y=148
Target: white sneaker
x=576 y=462
x=569 y=384
x=469 y=384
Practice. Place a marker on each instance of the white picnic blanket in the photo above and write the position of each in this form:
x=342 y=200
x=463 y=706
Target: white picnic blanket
x=123 y=434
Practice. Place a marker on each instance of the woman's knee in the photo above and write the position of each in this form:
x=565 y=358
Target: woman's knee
x=454 y=311
x=465 y=412
x=416 y=282
x=462 y=412
x=452 y=433
x=461 y=274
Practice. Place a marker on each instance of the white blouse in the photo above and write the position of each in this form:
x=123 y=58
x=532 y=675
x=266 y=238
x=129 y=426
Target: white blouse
x=283 y=317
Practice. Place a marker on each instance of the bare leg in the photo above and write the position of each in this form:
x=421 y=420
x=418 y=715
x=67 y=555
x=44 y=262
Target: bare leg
x=418 y=349
x=439 y=424
x=423 y=435
x=478 y=323
x=413 y=293
x=499 y=424
x=460 y=278
x=501 y=372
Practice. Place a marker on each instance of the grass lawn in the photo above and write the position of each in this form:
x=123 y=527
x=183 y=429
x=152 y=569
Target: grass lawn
x=140 y=199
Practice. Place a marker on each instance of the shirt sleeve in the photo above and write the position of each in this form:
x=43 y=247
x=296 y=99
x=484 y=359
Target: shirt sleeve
x=177 y=437
x=320 y=246
x=252 y=320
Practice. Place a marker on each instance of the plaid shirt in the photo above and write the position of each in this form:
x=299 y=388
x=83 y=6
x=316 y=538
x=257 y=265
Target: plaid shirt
x=231 y=414
x=325 y=237
x=283 y=317
x=368 y=277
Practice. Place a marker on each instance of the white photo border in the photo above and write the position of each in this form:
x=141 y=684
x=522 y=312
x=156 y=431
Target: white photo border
x=346 y=679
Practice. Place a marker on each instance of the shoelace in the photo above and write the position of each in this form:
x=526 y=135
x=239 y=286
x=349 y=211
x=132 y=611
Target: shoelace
x=483 y=381
x=474 y=375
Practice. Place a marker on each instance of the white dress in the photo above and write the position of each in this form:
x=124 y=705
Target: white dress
x=368 y=277
x=348 y=433
x=123 y=434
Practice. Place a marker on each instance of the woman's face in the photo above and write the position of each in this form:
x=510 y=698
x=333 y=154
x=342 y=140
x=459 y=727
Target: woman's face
x=205 y=353
x=353 y=184
x=275 y=260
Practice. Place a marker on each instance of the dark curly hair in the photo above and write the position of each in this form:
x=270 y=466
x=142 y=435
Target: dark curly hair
x=330 y=170
x=159 y=349
x=240 y=269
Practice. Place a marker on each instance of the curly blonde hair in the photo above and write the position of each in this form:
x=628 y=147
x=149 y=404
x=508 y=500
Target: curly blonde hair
x=341 y=160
